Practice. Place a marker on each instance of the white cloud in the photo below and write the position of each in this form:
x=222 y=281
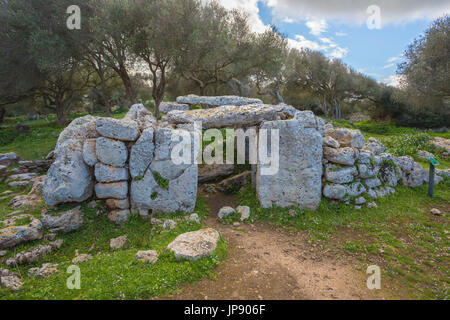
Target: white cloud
x=389 y=66
x=288 y=20
x=394 y=80
x=301 y=42
x=338 y=53
x=251 y=7
x=317 y=27
x=351 y=12
x=326 y=45
x=341 y=34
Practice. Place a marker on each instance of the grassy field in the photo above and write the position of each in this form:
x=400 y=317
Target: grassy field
x=401 y=236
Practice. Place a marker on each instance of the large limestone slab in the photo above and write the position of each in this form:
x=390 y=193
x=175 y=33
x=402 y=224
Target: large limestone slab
x=217 y=101
x=65 y=221
x=124 y=130
x=166 y=107
x=232 y=116
x=195 y=245
x=69 y=179
x=111 y=152
x=299 y=178
x=167 y=186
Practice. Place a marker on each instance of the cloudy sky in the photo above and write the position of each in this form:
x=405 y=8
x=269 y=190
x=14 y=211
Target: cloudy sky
x=339 y=28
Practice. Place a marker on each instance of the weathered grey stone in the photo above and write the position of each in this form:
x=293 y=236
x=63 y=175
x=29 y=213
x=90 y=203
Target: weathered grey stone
x=231 y=116
x=339 y=175
x=3 y=170
x=23 y=176
x=150 y=256
x=405 y=163
x=166 y=107
x=225 y=212
x=124 y=130
x=443 y=173
x=355 y=189
x=244 y=211
x=330 y=142
x=45 y=271
x=372 y=194
x=118 y=204
x=194 y=218
x=235 y=183
x=390 y=173
x=65 y=221
x=119 y=242
x=115 y=190
x=82 y=258
x=13 y=235
x=111 y=152
x=119 y=217
x=195 y=245
x=6 y=159
x=360 y=201
x=167 y=187
x=89 y=153
x=33 y=254
x=344 y=156
x=19 y=184
x=141 y=115
x=104 y=173
x=368 y=170
x=169 y=225
x=212 y=172
x=10 y=280
x=347 y=137
x=422 y=154
x=372 y=183
x=375 y=146
x=69 y=178
x=417 y=177
x=217 y=101
x=307 y=119
x=372 y=205
x=335 y=191
x=298 y=180
x=141 y=154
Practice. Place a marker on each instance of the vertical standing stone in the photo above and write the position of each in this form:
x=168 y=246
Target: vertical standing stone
x=299 y=179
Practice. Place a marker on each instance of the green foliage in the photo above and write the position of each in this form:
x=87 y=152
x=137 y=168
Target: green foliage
x=407 y=144
x=162 y=182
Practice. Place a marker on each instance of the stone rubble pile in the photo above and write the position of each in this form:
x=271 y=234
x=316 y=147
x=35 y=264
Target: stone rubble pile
x=358 y=172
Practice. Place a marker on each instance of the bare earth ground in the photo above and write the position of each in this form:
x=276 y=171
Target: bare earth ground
x=269 y=263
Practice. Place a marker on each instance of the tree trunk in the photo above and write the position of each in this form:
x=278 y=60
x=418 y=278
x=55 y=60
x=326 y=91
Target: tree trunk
x=2 y=114
x=105 y=97
x=129 y=91
x=60 y=112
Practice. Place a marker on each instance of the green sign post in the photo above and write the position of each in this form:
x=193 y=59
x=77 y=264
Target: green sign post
x=433 y=164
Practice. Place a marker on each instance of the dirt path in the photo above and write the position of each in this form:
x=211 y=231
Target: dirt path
x=267 y=263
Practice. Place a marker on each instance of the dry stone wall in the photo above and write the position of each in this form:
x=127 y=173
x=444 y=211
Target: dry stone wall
x=128 y=163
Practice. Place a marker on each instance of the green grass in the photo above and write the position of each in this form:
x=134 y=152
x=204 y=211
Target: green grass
x=40 y=140
x=117 y=274
x=411 y=243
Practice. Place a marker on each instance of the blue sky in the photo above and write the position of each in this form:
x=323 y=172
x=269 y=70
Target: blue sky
x=339 y=28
